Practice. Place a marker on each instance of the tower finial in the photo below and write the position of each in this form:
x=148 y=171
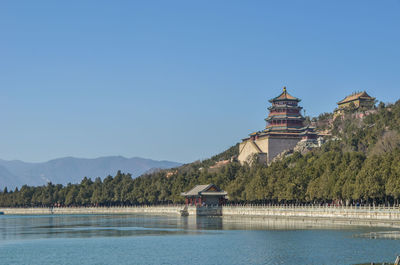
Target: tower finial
x=284 y=89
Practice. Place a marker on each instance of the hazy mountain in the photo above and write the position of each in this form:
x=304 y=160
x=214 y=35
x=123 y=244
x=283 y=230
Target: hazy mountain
x=6 y=178
x=69 y=169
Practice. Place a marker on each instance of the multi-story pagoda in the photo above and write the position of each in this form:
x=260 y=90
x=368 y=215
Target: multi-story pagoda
x=284 y=114
x=284 y=129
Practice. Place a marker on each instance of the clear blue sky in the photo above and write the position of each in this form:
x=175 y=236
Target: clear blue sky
x=180 y=80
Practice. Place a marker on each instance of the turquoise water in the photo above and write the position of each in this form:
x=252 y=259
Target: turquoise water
x=135 y=239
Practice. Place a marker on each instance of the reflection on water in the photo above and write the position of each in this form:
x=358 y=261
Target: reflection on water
x=380 y=235
x=86 y=226
x=145 y=239
x=72 y=226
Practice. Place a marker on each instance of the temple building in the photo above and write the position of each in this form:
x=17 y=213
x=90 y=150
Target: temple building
x=355 y=100
x=208 y=194
x=284 y=129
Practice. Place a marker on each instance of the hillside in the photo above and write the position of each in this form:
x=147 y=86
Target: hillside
x=360 y=162
x=72 y=170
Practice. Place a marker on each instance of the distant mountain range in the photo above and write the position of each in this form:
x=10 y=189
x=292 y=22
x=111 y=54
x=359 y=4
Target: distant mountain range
x=69 y=169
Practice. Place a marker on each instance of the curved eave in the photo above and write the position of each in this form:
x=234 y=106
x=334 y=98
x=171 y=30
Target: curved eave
x=309 y=133
x=280 y=117
x=344 y=101
x=282 y=128
x=284 y=133
x=288 y=127
x=284 y=107
x=284 y=99
x=214 y=193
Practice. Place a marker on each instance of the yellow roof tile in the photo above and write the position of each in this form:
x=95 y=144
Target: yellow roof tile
x=356 y=96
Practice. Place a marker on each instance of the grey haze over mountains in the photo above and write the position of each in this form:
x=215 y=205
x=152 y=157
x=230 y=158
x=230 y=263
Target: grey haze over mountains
x=69 y=169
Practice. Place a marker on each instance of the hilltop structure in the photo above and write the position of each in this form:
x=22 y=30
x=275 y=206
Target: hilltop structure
x=356 y=100
x=284 y=130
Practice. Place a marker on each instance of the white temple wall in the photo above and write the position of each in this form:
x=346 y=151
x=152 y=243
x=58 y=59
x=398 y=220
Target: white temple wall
x=247 y=149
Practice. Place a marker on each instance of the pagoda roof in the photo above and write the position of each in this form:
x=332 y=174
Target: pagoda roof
x=286 y=131
x=355 y=96
x=279 y=131
x=283 y=133
x=285 y=116
x=283 y=128
x=302 y=129
x=284 y=107
x=309 y=130
x=285 y=96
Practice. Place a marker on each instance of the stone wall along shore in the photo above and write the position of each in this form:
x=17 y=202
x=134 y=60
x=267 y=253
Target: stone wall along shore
x=390 y=214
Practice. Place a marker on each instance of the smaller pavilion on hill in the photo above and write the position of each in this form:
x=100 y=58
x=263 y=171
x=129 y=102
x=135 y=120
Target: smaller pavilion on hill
x=208 y=194
x=357 y=100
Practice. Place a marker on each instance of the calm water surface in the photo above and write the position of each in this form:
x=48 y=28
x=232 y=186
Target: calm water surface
x=136 y=239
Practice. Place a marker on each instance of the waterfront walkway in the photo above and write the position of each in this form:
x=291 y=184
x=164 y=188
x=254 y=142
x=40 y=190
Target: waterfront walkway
x=367 y=213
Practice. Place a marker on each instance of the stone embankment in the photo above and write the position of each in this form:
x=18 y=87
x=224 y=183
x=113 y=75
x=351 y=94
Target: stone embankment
x=375 y=216
x=170 y=209
x=331 y=215
x=352 y=212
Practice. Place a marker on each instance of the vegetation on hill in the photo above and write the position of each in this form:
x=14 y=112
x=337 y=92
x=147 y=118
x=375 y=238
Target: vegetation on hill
x=359 y=163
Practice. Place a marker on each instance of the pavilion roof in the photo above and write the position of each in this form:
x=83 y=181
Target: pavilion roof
x=204 y=190
x=355 y=96
x=220 y=193
x=285 y=96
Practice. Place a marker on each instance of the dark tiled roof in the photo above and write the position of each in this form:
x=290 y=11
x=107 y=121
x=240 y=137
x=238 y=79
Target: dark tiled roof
x=203 y=190
x=197 y=189
x=285 y=116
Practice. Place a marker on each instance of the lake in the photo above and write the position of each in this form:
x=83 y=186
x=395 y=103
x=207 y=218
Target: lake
x=145 y=239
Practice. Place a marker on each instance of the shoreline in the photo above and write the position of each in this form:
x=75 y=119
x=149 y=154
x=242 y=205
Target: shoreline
x=292 y=215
